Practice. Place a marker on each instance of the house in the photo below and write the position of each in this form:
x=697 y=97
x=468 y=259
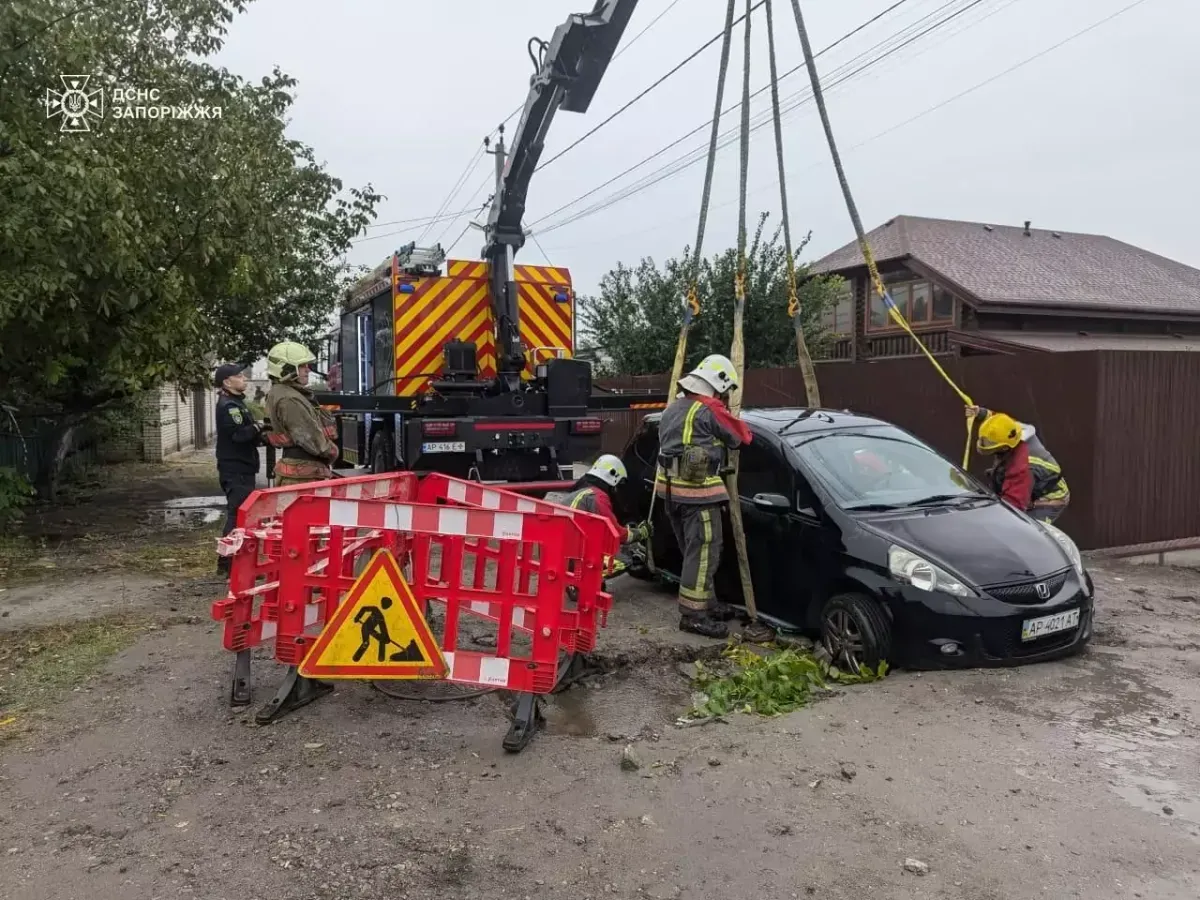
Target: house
x=161 y=423
x=971 y=288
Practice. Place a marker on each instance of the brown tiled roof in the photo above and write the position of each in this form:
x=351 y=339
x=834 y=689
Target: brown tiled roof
x=999 y=264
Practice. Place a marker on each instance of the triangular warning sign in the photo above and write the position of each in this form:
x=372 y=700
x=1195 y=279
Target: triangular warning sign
x=377 y=632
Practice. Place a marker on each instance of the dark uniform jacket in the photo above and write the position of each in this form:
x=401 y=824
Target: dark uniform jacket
x=694 y=437
x=237 y=436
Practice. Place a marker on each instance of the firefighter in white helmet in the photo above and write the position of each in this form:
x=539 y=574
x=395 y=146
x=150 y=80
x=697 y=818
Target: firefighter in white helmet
x=306 y=434
x=593 y=493
x=695 y=434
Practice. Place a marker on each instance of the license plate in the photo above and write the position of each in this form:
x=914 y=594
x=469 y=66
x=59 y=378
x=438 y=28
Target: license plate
x=445 y=447
x=1036 y=628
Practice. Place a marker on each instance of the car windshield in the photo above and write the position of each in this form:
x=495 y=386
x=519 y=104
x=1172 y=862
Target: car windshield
x=884 y=469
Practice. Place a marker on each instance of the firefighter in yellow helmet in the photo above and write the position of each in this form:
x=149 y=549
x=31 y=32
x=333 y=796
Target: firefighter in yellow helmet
x=694 y=436
x=306 y=434
x=1024 y=474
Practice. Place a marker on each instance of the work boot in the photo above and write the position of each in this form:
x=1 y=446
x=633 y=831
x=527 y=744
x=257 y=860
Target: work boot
x=703 y=625
x=722 y=612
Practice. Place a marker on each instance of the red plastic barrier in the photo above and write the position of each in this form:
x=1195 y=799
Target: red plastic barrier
x=250 y=610
x=547 y=565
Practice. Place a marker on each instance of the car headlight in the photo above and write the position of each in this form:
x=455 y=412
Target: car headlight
x=906 y=566
x=1068 y=546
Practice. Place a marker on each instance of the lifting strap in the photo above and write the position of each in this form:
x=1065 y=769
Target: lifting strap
x=691 y=303
x=811 y=389
x=738 y=351
x=860 y=234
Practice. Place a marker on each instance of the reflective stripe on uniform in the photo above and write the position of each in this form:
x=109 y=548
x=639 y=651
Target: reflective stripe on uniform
x=579 y=497
x=1060 y=488
x=689 y=422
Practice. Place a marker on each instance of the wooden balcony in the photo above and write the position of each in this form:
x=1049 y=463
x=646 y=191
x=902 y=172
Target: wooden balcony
x=888 y=346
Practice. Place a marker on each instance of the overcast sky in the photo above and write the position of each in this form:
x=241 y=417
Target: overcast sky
x=1100 y=135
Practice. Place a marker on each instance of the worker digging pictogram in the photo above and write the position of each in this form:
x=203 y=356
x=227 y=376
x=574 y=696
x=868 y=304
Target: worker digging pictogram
x=377 y=631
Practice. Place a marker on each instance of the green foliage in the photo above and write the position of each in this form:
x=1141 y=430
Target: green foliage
x=635 y=318
x=769 y=685
x=131 y=252
x=15 y=494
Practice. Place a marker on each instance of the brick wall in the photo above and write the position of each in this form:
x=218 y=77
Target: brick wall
x=162 y=423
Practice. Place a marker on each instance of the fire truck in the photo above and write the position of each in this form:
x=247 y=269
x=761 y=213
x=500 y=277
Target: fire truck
x=468 y=367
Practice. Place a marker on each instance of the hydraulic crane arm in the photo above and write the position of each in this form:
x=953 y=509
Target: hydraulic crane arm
x=569 y=71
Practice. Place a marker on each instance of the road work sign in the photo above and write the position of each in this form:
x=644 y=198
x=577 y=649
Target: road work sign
x=377 y=632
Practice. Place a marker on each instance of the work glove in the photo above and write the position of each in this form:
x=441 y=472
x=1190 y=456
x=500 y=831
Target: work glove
x=640 y=532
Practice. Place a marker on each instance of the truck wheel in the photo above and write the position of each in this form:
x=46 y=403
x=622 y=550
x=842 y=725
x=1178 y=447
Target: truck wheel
x=383 y=454
x=855 y=632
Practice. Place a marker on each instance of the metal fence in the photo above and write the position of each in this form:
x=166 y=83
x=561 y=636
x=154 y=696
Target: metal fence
x=1121 y=423
x=28 y=450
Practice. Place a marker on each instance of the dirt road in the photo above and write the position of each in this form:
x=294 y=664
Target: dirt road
x=1073 y=779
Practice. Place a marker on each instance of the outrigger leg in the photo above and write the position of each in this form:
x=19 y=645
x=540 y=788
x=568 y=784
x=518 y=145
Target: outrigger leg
x=294 y=692
x=239 y=687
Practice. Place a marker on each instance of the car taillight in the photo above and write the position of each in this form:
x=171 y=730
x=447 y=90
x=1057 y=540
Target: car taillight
x=439 y=429
x=587 y=426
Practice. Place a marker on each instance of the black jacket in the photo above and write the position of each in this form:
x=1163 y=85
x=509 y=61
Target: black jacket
x=237 y=436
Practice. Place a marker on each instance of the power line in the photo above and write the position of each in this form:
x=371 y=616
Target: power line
x=616 y=56
x=681 y=163
x=472 y=164
x=421 y=220
x=932 y=109
x=701 y=127
x=656 y=84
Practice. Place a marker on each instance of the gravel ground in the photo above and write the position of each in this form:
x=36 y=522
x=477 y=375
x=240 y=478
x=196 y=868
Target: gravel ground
x=1071 y=779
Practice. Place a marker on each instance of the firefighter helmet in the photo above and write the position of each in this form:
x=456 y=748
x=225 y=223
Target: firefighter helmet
x=609 y=469
x=285 y=359
x=998 y=432
x=715 y=375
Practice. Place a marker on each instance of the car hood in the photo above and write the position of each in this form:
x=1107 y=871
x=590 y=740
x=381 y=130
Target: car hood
x=986 y=543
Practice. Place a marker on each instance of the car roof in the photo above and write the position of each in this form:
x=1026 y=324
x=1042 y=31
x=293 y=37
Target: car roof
x=800 y=421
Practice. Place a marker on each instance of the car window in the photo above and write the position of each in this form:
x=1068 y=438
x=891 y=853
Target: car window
x=762 y=471
x=884 y=467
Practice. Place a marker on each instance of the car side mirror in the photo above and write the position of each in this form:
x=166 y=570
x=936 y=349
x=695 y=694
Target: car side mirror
x=772 y=502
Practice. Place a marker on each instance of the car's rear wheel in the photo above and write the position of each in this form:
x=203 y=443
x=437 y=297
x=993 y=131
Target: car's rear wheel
x=855 y=632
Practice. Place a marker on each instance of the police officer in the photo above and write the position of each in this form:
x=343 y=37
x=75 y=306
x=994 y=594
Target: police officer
x=695 y=434
x=593 y=493
x=237 y=446
x=304 y=432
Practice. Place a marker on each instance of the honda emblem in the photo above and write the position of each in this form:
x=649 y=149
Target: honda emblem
x=1043 y=590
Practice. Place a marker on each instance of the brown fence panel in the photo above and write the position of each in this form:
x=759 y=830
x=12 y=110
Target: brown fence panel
x=1148 y=465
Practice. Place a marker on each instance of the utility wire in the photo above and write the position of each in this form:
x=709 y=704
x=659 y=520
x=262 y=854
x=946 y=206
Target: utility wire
x=643 y=93
x=701 y=127
x=928 y=111
x=472 y=164
x=681 y=163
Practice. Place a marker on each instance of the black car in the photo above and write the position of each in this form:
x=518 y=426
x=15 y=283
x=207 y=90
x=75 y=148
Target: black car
x=860 y=532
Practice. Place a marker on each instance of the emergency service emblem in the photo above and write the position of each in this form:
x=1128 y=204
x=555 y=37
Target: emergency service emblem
x=75 y=103
x=236 y=415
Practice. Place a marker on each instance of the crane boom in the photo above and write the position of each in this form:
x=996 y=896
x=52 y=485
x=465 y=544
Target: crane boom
x=569 y=71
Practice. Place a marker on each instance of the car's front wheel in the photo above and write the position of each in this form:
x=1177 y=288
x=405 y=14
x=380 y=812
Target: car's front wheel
x=855 y=632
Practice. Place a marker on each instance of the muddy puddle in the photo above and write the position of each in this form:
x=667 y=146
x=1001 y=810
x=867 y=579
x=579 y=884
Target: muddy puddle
x=616 y=709
x=187 y=512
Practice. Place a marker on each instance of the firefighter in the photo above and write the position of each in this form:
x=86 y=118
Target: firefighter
x=237 y=446
x=695 y=434
x=304 y=432
x=1024 y=474
x=593 y=493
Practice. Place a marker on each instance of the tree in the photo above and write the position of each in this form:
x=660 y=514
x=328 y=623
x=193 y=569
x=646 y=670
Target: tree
x=134 y=252
x=635 y=318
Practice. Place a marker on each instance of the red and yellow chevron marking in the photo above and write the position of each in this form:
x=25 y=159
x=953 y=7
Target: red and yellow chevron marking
x=440 y=310
x=547 y=326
